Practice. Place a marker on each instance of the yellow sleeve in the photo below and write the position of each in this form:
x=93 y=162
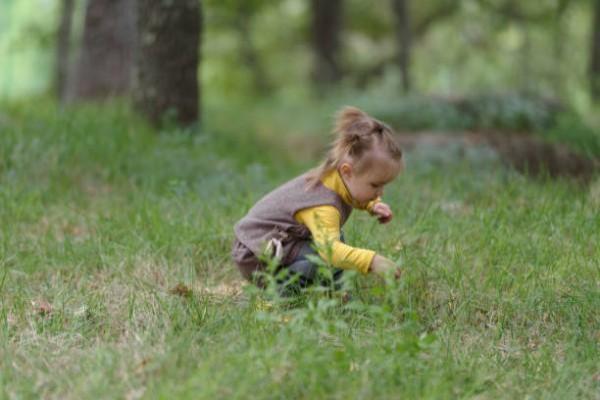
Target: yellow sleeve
x=324 y=225
x=371 y=204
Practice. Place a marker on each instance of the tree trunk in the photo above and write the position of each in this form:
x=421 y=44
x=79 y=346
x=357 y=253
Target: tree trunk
x=168 y=57
x=526 y=84
x=63 y=40
x=558 y=46
x=326 y=28
x=106 y=63
x=595 y=54
x=403 y=37
x=248 y=51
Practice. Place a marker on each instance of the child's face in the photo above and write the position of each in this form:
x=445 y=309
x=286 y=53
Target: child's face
x=369 y=184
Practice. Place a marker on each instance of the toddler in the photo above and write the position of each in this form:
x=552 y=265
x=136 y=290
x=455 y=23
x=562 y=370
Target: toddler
x=305 y=215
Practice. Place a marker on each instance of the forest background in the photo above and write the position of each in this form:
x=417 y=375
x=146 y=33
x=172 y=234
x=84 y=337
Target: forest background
x=134 y=133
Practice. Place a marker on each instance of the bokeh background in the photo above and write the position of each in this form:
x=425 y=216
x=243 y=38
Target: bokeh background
x=453 y=47
x=135 y=133
x=469 y=65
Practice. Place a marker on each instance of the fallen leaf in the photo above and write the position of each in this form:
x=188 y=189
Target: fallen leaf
x=181 y=290
x=142 y=365
x=42 y=307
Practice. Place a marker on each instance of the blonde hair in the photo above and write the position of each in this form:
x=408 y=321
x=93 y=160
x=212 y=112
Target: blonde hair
x=356 y=133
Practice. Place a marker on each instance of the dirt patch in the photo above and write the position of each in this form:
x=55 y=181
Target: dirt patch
x=534 y=156
x=223 y=290
x=527 y=154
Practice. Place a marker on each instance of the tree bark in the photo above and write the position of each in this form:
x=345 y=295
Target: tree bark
x=325 y=39
x=595 y=54
x=63 y=41
x=403 y=37
x=168 y=58
x=106 y=62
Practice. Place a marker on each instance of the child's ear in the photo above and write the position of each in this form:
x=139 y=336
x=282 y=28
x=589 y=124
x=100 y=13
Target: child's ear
x=346 y=169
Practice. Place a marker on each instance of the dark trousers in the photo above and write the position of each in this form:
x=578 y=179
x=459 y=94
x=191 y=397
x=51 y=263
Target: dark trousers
x=302 y=273
x=298 y=274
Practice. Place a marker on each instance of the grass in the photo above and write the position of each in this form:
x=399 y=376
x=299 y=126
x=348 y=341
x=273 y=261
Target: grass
x=101 y=218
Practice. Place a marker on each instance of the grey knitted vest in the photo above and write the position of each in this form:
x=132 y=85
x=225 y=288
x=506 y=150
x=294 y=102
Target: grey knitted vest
x=272 y=217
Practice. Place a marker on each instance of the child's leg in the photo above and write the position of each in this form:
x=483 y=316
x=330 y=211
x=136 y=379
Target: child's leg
x=247 y=263
x=302 y=267
x=302 y=272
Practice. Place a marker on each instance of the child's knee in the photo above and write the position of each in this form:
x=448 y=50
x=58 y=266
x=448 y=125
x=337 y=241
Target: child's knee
x=304 y=268
x=246 y=261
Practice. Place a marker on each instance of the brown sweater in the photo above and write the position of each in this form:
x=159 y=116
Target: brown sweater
x=272 y=217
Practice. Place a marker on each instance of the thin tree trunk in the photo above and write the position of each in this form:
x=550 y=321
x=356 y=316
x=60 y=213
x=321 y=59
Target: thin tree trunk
x=62 y=48
x=168 y=58
x=595 y=54
x=248 y=51
x=326 y=28
x=558 y=46
x=558 y=52
x=106 y=62
x=525 y=82
x=404 y=38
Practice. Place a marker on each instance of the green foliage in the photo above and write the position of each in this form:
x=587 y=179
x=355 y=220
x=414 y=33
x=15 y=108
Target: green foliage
x=27 y=30
x=570 y=130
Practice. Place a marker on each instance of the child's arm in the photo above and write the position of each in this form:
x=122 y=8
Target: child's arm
x=383 y=266
x=372 y=204
x=324 y=225
x=383 y=212
x=379 y=209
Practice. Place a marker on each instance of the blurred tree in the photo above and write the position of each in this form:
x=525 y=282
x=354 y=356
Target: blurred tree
x=62 y=48
x=403 y=37
x=424 y=15
x=106 y=62
x=326 y=26
x=168 y=57
x=525 y=16
x=240 y=15
x=245 y=12
x=595 y=54
x=408 y=25
x=558 y=36
x=532 y=12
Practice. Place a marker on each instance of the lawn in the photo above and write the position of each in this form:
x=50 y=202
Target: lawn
x=116 y=282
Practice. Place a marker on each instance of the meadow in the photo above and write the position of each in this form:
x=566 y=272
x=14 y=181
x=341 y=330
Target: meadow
x=116 y=281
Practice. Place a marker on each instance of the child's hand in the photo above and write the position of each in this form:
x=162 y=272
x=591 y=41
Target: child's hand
x=383 y=212
x=383 y=266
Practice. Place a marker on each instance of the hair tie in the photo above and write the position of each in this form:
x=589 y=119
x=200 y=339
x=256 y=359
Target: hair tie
x=354 y=138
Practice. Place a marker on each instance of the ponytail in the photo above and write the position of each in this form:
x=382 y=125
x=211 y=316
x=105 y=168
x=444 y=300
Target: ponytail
x=355 y=133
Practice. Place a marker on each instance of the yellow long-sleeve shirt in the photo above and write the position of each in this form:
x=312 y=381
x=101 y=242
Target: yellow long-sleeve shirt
x=324 y=225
